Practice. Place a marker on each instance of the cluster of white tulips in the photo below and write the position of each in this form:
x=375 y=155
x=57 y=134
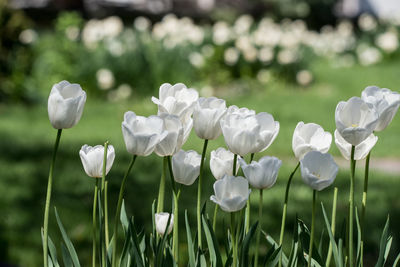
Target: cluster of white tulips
x=245 y=133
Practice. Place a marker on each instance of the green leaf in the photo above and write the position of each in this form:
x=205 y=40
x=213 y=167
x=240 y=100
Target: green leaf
x=189 y=242
x=272 y=257
x=359 y=252
x=295 y=245
x=123 y=217
x=244 y=251
x=385 y=244
x=53 y=253
x=305 y=242
x=213 y=247
x=335 y=252
x=397 y=260
x=71 y=250
x=273 y=243
x=66 y=257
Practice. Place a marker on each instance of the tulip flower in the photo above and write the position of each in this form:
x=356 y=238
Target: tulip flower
x=221 y=163
x=207 y=115
x=263 y=173
x=231 y=193
x=318 y=170
x=92 y=159
x=384 y=101
x=161 y=221
x=176 y=99
x=65 y=104
x=141 y=134
x=174 y=138
x=245 y=134
x=240 y=111
x=186 y=166
x=361 y=150
x=355 y=120
x=308 y=137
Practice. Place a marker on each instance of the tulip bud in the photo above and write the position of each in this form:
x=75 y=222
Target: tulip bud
x=384 y=101
x=186 y=166
x=221 y=163
x=261 y=174
x=207 y=115
x=231 y=193
x=161 y=220
x=308 y=137
x=318 y=170
x=361 y=150
x=355 y=120
x=92 y=159
x=65 y=104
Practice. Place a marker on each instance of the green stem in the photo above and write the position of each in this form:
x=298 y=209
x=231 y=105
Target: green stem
x=284 y=211
x=234 y=164
x=118 y=211
x=94 y=223
x=106 y=215
x=48 y=199
x=215 y=216
x=102 y=193
x=175 y=239
x=310 y=248
x=161 y=190
x=247 y=216
x=351 y=205
x=260 y=210
x=203 y=155
x=364 y=198
x=233 y=237
x=333 y=226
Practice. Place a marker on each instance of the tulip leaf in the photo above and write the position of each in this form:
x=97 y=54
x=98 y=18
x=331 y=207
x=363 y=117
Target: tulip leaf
x=53 y=253
x=272 y=257
x=397 y=260
x=213 y=247
x=123 y=217
x=273 y=243
x=189 y=242
x=71 y=250
x=295 y=245
x=359 y=252
x=385 y=244
x=66 y=256
x=305 y=241
x=244 y=251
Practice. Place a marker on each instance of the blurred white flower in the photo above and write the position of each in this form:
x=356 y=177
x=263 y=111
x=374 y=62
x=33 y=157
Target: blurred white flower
x=367 y=22
x=221 y=163
x=368 y=55
x=112 y=26
x=263 y=173
x=28 y=36
x=105 y=79
x=388 y=41
x=186 y=166
x=207 y=51
x=72 y=33
x=304 y=77
x=161 y=221
x=231 y=56
x=142 y=24
x=361 y=150
x=196 y=59
x=221 y=33
x=92 y=159
x=266 y=54
x=287 y=56
x=123 y=92
x=243 y=24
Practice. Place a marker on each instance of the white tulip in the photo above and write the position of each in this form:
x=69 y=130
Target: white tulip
x=221 y=163
x=240 y=111
x=175 y=137
x=186 y=166
x=142 y=134
x=385 y=102
x=355 y=120
x=361 y=150
x=231 y=193
x=261 y=174
x=65 y=104
x=318 y=170
x=248 y=133
x=161 y=221
x=308 y=137
x=92 y=159
x=207 y=115
x=176 y=99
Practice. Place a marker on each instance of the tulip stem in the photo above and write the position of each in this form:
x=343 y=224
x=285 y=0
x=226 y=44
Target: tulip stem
x=48 y=199
x=310 y=248
x=94 y=222
x=175 y=239
x=234 y=165
x=203 y=155
x=351 y=204
x=118 y=211
x=106 y=215
x=233 y=237
x=161 y=190
x=171 y=174
x=333 y=226
x=247 y=214
x=260 y=211
x=284 y=211
x=215 y=216
x=364 y=203
x=103 y=194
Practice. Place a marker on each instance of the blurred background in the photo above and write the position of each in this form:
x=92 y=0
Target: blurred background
x=295 y=59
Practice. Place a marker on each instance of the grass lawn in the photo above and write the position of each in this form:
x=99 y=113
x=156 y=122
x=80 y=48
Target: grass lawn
x=27 y=139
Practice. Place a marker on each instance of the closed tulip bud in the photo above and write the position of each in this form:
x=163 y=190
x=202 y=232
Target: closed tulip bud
x=186 y=166
x=161 y=220
x=248 y=133
x=65 y=104
x=261 y=174
x=361 y=150
x=142 y=134
x=308 y=137
x=221 y=163
x=176 y=100
x=174 y=138
x=318 y=170
x=207 y=115
x=92 y=159
x=384 y=101
x=355 y=120
x=231 y=193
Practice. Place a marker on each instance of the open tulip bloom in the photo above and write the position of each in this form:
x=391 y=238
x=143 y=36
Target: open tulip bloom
x=92 y=159
x=65 y=104
x=175 y=137
x=384 y=101
x=186 y=166
x=207 y=115
x=355 y=120
x=221 y=163
x=308 y=137
x=361 y=150
x=263 y=173
x=318 y=170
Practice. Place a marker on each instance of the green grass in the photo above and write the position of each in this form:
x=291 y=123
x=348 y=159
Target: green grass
x=27 y=139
